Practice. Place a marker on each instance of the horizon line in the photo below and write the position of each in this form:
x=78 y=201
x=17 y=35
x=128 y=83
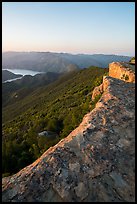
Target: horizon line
x=61 y=52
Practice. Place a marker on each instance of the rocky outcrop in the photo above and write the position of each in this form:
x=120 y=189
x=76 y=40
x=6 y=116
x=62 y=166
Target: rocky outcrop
x=94 y=163
x=123 y=71
x=97 y=91
x=119 y=70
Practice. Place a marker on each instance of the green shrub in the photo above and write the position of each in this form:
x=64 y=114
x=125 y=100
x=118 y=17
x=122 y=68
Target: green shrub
x=126 y=77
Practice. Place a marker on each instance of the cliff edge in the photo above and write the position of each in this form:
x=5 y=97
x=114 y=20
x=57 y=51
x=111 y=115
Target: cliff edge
x=94 y=163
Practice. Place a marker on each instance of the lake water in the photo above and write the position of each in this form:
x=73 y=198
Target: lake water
x=22 y=72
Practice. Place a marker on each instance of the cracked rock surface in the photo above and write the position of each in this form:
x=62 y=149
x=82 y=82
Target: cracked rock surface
x=94 y=163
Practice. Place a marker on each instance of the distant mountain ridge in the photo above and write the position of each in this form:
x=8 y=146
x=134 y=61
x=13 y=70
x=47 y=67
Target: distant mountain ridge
x=56 y=62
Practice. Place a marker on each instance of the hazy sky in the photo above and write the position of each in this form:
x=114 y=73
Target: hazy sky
x=74 y=27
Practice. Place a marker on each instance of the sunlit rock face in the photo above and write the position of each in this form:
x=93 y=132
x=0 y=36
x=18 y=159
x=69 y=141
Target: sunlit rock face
x=94 y=163
x=97 y=91
x=123 y=71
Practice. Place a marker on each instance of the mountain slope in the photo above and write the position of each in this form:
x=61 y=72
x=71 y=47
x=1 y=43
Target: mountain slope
x=94 y=163
x=18 y=89
x=6 y=75
x=58 y=107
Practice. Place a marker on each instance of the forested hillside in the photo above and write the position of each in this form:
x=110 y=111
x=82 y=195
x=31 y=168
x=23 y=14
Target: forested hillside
x=58 y=107
x=20 y=88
